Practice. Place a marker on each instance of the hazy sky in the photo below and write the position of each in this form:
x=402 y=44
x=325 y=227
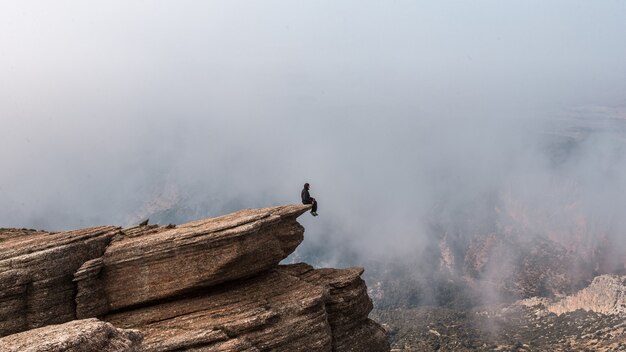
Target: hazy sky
x=399 y=113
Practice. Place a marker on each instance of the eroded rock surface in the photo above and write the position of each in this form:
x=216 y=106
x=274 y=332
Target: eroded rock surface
x=164 y=262
x=36 y=273
x=211 y=285
x=75 y=336
x=270 y=311
x=348 y=307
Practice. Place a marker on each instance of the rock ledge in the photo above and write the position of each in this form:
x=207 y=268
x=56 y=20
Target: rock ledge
x=213 y=285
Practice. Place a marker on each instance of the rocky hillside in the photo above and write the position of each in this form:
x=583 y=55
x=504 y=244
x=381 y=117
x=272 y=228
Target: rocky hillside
x=592 y=319
x=209 y=285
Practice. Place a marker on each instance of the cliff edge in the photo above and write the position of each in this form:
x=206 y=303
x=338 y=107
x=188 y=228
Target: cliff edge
x=208 y=285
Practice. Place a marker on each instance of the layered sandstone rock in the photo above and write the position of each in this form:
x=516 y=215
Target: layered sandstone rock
x=36 y=273
x=162 y=262
x=347 y=305
x=270 y=311
x=211 y=285
x=75 y=336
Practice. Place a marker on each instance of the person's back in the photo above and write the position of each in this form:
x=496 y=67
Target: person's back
x=307 y=199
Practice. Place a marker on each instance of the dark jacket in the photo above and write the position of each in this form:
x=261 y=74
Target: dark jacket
x=306 y=197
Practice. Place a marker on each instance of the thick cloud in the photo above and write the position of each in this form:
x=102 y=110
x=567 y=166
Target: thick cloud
x=407 y=118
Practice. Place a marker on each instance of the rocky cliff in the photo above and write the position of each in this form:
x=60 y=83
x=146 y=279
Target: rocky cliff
x=606 y=295
x=209 y=285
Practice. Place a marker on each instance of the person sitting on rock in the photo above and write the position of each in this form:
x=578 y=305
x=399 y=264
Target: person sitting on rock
x=307 y=199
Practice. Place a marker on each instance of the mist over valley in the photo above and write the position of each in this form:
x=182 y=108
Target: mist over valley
x=471 y=157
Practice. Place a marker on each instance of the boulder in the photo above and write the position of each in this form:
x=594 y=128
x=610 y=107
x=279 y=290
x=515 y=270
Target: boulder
x=89 y=335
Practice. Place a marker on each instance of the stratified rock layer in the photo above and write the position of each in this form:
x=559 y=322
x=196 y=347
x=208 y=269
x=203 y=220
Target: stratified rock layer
x=211 y=285
x=273 y=311
x=168 y=262
x=36 y=273
x=348 y=307
x=76 y=336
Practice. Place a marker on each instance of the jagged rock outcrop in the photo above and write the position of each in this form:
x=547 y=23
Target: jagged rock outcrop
x=347 y=306
x=211 y=285
x=606 y=294
x=75 y=336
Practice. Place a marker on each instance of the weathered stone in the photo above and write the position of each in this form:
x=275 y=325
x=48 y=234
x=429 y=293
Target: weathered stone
x=606 y=294
x=290 y=308
x=347 y=306
x=90 y=335
x=90 y=296
x=170 y=262
x=273 y=311
x=36 y=272
x=209 y=285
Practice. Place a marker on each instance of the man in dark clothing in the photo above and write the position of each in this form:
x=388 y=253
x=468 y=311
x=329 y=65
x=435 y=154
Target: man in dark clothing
x=307 y=199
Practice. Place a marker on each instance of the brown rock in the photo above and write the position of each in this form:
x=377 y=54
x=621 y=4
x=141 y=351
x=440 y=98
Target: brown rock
x=90 y=296
x=290 y=308
x=169 y=262
x=90 y=335
x=209 y=285
x=273 y=311
x=36 y=272
x=347 y=306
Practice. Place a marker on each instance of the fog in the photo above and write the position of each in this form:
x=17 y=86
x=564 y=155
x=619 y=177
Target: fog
x=409 y=119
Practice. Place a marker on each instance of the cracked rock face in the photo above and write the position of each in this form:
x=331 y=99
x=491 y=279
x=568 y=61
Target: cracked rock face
x=36 y=272
x=271 y=311
x=213 y=284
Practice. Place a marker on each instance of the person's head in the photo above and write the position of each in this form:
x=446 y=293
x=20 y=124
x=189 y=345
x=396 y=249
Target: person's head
x=306 y=186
